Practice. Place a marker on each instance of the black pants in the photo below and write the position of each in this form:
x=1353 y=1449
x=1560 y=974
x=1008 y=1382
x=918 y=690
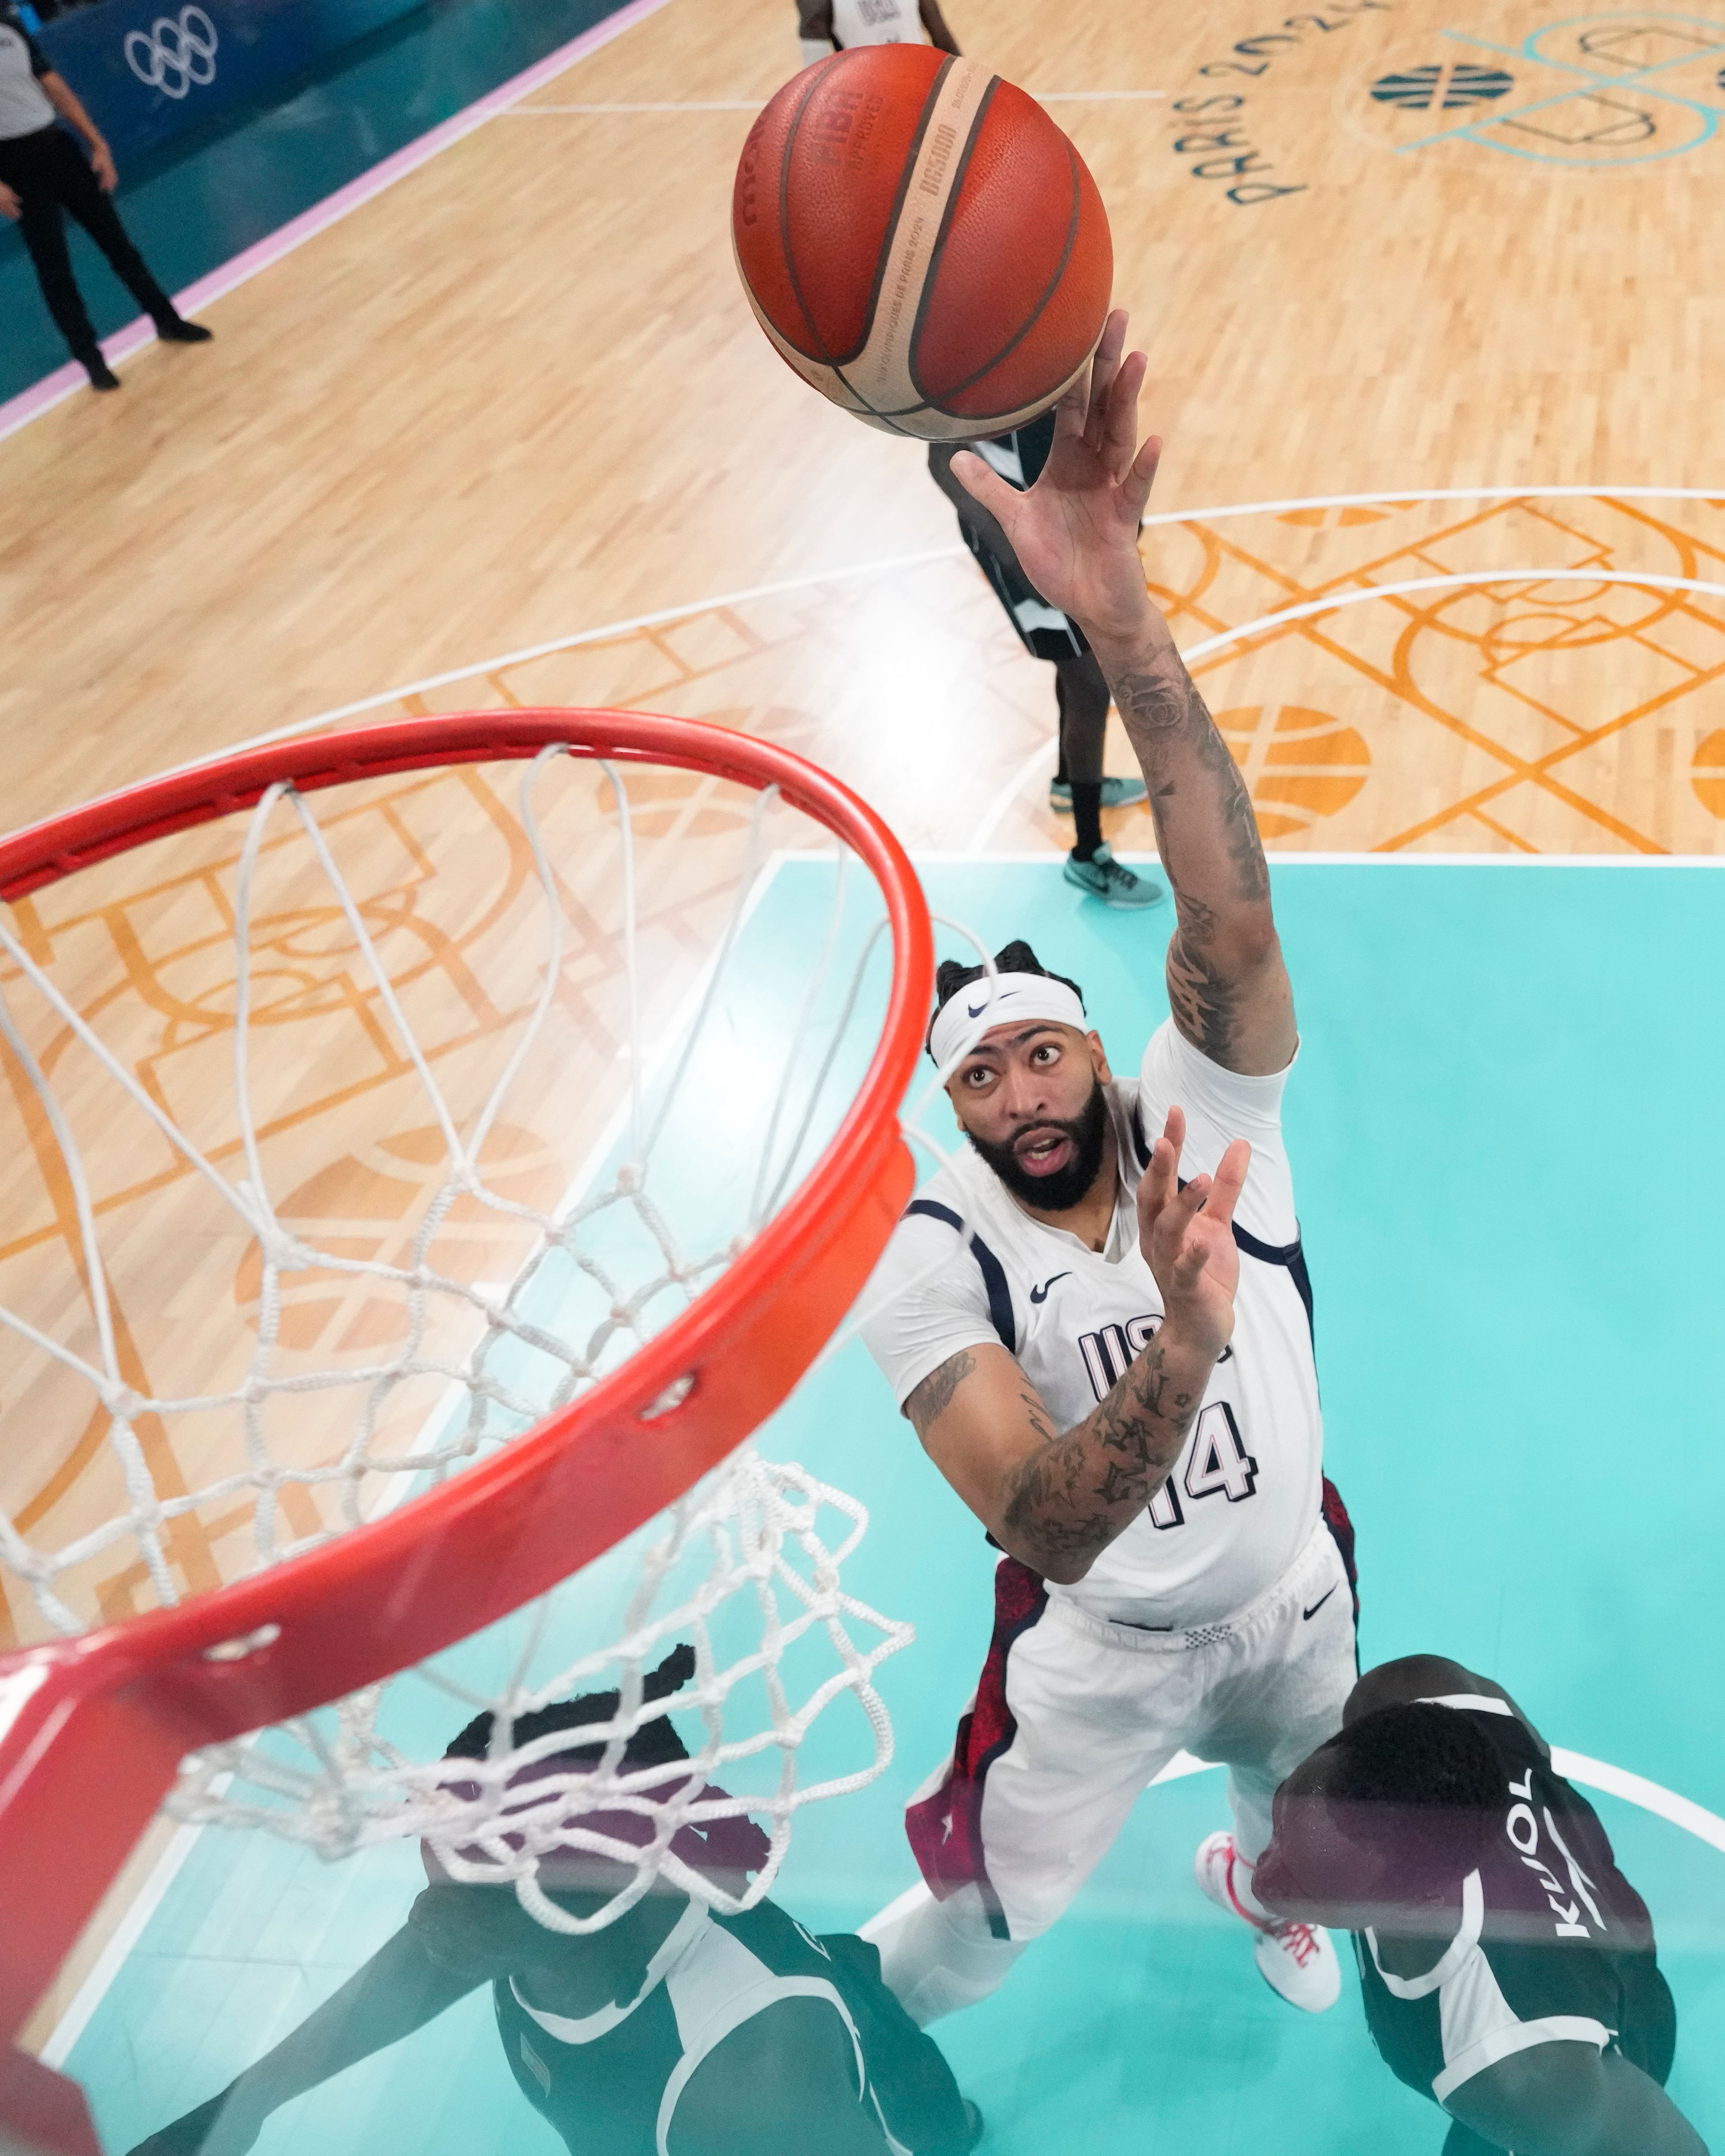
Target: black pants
x=47 y=173
x=1081 y=691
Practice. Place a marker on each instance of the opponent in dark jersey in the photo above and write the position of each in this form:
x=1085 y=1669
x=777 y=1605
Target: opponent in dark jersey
x=672 y=2031
x=1507 y=1964
x=1079 y=789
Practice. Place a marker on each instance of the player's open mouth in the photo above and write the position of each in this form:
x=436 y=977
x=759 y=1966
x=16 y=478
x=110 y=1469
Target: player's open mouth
x=1043 y=1152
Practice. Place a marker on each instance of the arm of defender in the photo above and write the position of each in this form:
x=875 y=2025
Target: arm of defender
x=1566 y=2099
x=1075 y=533
x=1427 y=1676
x=398 y=1990
x=1055 y=1498
x=782 y=2085
x=939 y=36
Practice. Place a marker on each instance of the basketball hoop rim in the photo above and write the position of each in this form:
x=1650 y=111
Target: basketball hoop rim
x=507 y=1528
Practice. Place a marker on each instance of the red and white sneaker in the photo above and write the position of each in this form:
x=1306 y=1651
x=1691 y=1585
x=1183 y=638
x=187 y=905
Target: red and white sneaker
x=1296 y=1961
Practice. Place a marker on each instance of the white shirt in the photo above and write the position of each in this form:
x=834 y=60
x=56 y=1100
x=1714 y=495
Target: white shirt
x=876 y=23
x=24 y=108
x=1244 y=1494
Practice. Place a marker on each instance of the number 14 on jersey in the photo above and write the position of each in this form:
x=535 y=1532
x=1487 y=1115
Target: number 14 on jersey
x=1217 y=1461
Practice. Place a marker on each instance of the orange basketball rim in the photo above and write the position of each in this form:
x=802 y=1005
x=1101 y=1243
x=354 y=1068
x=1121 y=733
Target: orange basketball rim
x=92 y=1728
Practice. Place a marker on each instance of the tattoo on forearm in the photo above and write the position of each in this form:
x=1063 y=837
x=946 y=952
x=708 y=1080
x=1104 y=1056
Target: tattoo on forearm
x=1172 y=729
x=1158 y=703
x=929 y=1401
x=1053 y=1505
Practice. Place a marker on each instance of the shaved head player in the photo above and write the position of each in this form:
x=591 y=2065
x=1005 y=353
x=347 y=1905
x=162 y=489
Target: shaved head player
x=1102 y=1334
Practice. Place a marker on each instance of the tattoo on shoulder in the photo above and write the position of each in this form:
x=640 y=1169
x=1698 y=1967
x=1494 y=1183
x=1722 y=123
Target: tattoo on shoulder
x=926 y=1403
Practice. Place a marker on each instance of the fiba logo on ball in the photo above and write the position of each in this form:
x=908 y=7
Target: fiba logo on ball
x=175 y=53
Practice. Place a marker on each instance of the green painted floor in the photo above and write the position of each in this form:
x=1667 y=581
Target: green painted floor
x=1503 y=1131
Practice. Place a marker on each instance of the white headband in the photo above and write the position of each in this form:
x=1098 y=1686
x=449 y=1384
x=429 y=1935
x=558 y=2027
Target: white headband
x=1024 y=998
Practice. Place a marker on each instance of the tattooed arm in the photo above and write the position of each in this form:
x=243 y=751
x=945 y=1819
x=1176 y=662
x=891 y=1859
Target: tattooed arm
x=1054 y=1497
x=1075 y=533
x=1227 y=985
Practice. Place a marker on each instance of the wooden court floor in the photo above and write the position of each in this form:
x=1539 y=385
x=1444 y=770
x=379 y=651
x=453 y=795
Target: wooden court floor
x=508 y=435
x=518 y=397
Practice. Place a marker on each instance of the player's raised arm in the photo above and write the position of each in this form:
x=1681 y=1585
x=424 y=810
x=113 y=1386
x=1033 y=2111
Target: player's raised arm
x=1057 y=1498
x=1076 y=533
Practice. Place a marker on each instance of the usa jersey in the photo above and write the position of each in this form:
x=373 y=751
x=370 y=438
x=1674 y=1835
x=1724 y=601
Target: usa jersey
x=966 y=1267
x=1555 y=1946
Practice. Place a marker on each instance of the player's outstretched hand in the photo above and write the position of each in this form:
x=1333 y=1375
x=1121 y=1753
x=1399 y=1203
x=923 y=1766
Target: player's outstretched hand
x=1076 y=532
x=219 y=2127
x=1187 y=1235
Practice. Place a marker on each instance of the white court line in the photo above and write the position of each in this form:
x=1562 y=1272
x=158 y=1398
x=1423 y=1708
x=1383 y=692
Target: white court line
x=1419 y=494
x=482 y=666
x=947 y=857
x=888 y=563
x=1574 y=1766
x=1646 y=580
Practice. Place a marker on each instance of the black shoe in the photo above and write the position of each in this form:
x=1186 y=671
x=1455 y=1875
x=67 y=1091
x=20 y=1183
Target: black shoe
x=101 y=375
x=173 y=330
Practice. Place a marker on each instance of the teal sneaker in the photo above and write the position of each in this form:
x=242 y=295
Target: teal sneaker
x=1117 y=793
x=1112 y=882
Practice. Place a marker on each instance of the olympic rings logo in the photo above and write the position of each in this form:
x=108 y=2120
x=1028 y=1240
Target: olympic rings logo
x=175 y=54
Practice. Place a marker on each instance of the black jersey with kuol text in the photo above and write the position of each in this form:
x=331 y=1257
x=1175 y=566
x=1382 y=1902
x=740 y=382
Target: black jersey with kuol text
x=1554 y=1946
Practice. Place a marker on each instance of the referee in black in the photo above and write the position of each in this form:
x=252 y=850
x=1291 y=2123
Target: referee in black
x=41 y=176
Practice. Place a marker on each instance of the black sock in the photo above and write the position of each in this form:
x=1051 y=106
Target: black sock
x=1086 y=818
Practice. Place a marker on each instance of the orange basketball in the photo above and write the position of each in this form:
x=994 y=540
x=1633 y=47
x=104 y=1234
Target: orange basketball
x=921 y=242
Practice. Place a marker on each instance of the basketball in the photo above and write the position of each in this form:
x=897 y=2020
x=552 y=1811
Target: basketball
x=920 y=243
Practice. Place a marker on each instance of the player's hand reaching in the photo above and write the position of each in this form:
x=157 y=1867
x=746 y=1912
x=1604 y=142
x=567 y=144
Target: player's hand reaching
x=1186 y=1236
x=1077 y=530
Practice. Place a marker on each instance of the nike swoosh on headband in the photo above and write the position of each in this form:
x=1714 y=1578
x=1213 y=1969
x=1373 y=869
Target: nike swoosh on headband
x=976 y=1010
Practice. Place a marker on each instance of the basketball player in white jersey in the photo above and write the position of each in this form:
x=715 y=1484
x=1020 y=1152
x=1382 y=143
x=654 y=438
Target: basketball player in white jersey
x=1102 y=1335
x=835 y=26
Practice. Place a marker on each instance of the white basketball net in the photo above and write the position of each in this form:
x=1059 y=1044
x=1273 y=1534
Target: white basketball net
x=468 y=1364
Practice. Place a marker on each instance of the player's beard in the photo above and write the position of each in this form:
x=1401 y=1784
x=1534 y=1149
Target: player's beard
x=1067 y=1186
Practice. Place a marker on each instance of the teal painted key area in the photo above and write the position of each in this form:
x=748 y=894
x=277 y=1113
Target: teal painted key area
x=1502 y=1130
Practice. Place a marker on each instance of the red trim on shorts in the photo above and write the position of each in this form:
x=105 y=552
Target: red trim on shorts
x=1336 y=1519
x=946 y=1829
